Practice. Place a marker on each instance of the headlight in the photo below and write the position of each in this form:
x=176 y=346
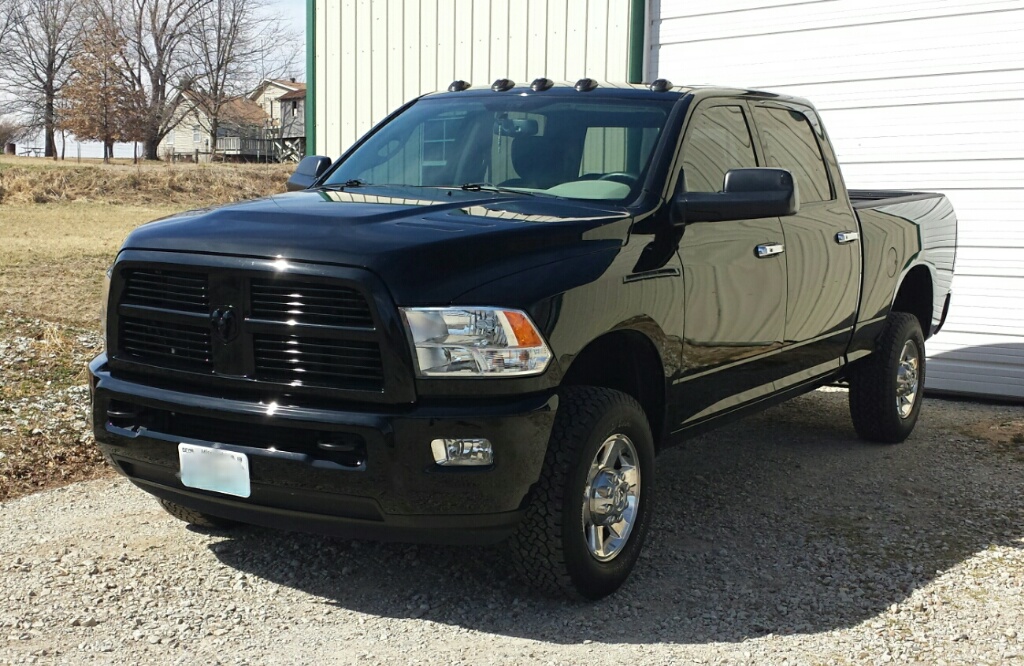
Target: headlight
x=475 y=342
x=103 y=305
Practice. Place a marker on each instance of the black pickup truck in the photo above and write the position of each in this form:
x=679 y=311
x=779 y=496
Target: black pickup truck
x=487 y=317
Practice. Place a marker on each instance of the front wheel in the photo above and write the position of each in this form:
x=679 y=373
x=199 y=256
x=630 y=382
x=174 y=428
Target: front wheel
x=886 y=388
x=588 y=516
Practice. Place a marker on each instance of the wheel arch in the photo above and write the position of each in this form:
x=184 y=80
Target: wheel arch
x=915 y=296
x=625 y=360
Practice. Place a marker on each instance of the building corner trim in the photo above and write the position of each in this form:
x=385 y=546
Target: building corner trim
x=637 y=37
x=311 y=77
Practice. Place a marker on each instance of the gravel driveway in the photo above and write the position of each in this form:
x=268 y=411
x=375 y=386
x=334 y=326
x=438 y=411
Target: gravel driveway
x=780 y=539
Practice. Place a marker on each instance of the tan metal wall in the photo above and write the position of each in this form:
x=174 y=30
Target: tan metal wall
x=371 y=57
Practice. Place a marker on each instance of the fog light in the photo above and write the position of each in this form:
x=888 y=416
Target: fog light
x=462 y=451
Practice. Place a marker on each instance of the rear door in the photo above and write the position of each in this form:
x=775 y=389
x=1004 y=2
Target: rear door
x=735 y=300
x=823 y=254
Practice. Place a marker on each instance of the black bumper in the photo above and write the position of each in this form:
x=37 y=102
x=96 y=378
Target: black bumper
x=363 y=474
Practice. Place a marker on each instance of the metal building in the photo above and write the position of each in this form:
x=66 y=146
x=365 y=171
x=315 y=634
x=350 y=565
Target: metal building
x=924 y=94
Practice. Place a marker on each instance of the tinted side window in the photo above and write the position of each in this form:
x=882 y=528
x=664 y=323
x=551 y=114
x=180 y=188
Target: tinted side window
x=718 y=140
x=789 y=142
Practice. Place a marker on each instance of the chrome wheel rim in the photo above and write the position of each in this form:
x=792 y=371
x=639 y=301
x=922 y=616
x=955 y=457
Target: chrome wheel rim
x=611 y=498
x=907 y=378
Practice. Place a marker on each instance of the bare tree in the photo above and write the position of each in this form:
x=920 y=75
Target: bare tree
x=159 y=35
x=10 y=131
x=236 y=46
x=43 y=37
x=8 y=18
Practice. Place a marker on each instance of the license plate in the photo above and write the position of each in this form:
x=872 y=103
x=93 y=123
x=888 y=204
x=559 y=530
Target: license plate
x=217 y=470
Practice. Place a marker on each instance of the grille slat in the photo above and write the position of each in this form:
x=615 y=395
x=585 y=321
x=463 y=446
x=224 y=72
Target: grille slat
x=351 y=361
x=325 y=369
x=290 y=307
x=305 y=303
x=184 y=292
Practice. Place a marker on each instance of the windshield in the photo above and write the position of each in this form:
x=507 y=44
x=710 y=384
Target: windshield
x=543 y=145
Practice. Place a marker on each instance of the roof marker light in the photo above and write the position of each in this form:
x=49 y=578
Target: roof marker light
x=661 y=85
x=585 y=85
x=459 y=86
x=501 y=85
x=541 y=84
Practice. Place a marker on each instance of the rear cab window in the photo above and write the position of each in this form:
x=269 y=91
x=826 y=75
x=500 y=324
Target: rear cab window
x=790 y=144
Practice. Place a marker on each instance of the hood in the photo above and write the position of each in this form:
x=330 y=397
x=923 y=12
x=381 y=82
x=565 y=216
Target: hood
x=426 y=251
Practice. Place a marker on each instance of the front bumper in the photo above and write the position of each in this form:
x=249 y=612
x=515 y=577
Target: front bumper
x=364 y=474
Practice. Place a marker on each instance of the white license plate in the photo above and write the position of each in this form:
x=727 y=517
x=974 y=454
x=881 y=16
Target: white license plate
x=214 y=469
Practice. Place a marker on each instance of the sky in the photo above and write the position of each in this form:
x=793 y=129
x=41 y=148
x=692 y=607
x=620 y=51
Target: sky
x=293 y=13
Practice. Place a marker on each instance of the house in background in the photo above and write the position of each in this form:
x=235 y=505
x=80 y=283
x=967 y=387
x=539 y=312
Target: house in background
x=292 y=113
x=244 y=133
x=269 y=92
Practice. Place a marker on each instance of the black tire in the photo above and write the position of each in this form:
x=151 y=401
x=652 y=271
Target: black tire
x=550 y=550
x=193 y=517
x=874 y=384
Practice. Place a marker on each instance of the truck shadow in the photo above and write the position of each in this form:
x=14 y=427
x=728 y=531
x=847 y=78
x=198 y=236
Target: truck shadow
x=783 y=523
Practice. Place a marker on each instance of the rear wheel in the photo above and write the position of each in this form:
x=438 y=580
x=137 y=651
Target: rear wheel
x=886 y=389
x=589 y=515
x=193 y=517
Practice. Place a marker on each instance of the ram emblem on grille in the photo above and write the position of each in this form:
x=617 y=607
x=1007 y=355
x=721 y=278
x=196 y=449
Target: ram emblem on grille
x=225 y=324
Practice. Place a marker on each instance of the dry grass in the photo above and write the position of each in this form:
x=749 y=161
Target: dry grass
x=40 y=181
x=53 y=256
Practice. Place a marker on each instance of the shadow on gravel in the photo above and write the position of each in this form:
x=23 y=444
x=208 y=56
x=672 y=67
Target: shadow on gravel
x=783 y=523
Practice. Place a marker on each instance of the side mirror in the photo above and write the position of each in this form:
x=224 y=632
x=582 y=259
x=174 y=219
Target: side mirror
x=746 y=194
x=308 y=172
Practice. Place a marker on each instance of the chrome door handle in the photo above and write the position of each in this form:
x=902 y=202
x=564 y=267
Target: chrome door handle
x=769 y=250
x=847 y=237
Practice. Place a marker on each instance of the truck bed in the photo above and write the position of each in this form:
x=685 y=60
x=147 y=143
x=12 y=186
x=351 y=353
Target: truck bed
x=898 y=227
x=874 y=198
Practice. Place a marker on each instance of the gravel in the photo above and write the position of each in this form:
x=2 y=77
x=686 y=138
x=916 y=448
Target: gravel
x=45 y=440
x=780 y=539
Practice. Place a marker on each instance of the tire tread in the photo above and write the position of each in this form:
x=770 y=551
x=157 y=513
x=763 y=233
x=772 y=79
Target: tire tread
x=538 y=553
x=872 y=384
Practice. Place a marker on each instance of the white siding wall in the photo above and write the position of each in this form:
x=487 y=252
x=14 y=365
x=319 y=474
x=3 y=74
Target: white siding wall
x=371 y=57
x=921 y=94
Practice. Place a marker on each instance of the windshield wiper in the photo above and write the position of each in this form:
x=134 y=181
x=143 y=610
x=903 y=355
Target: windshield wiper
x=487 y=187
x=355 y=182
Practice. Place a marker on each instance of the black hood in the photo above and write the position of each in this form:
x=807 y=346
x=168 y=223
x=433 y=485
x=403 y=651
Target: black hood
x=426 y=251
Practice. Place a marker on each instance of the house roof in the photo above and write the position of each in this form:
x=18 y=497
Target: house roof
x=244 y=111
x=295 y=94
x=239 y=110
x=287 y=84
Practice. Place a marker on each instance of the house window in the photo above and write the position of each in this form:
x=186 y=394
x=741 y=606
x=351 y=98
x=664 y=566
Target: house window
x=170 y=137
x=295 y=107
x=197 y=134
